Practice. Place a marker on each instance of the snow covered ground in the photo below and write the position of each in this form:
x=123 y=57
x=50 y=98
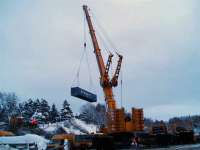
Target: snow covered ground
x=75 y=126
x=28 y=138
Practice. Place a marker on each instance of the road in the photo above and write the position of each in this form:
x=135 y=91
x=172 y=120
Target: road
x=176 y=147
x=182 y=147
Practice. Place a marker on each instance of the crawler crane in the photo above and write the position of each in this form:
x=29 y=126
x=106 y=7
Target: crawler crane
x=117 y=123
x=119 y=129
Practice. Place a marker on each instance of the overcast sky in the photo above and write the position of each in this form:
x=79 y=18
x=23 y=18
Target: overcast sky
x=41 y=43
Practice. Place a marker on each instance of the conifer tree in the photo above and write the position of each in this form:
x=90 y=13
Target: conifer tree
x=54 y=115
x=27 y=109
x=66 y=112
x=45 y=109
x=37 y=105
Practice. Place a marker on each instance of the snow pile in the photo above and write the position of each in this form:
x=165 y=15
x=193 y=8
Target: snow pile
x=51 y=127
x=38 y=140
x=6 y=147
x=90 y=128
x=28 y=138
x=74 y=126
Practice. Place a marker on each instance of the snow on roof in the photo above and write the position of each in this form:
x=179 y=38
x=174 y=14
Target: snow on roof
x=74 y=128
x=26 y=139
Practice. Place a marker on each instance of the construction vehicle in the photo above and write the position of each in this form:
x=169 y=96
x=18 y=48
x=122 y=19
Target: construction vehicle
x=117 y=126
x=182 y=131
x=116 y=122
x=118 y=130
x=164 y=134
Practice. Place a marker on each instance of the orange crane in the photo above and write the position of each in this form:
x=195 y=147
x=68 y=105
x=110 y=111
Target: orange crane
x=116 y=118
x=119 y=129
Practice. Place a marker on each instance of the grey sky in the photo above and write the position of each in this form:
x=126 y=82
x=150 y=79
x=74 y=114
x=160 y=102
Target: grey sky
x=41 y=43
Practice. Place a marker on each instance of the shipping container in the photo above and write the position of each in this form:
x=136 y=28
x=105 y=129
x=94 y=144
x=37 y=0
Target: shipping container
x=83 y=94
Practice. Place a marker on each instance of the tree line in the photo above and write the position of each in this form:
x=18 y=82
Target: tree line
x=187 y=122
x=38 y=109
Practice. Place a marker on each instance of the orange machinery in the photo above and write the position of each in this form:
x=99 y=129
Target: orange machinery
x=116 y=118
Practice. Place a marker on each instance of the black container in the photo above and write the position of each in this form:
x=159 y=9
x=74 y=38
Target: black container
x=83 y=94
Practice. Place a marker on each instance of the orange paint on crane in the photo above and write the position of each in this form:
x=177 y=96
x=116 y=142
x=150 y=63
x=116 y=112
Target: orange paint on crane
x=115 y=116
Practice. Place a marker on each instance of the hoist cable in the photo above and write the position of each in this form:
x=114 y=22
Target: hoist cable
x=87 y=59
x=103 y=42
x=76 y=78
x=89 y=70
x=84 y=31
x=101 y=35
x=121 y=83
x=105 y=35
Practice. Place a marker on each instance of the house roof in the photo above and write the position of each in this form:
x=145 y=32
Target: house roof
x=6 y=133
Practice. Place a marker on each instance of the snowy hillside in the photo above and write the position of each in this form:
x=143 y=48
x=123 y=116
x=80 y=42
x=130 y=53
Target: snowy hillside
x=75 y=126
